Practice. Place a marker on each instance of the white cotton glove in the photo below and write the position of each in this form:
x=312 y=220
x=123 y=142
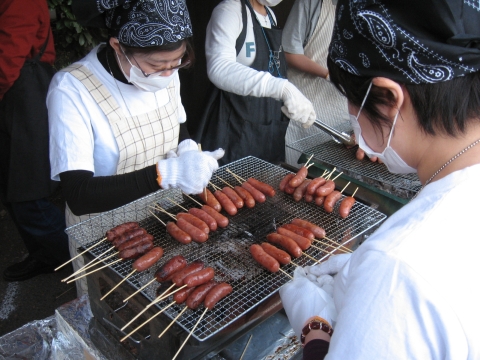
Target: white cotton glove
x=184 y=146
x=190 y=171
x=296 y=106
x=330 y=267
x=302 y=299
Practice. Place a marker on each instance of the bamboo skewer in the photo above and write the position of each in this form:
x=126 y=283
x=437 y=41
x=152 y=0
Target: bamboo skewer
x=190 y=334
x=92 y=263
x=353 y=195
x=308 y=160
x=173 y=321
x=290 y=276
x=83 y=252
x=246 y=346
x=224 y=181
x=345 y=187
x=234 y=175
x=215 y=187
x=310 y=165
x=157 y=300
x=91 y=272
x=146 y=321
x=191 y=198
x=335 y=243
x=335 y=178
x=176 y=203
x=136 y=292
x=311 y=257
x=157 y=218
x=119 y=283
x=330 y=173
x=158 y=207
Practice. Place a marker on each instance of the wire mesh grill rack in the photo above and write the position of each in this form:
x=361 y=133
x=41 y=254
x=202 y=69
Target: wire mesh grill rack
x=226 y=250
x=327 y=151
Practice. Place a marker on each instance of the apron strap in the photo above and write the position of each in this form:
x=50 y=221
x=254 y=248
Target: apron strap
x=243 y=34
x=99 y=92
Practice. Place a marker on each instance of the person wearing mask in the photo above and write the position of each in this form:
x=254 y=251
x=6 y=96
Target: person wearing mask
x=248 y=110
x=116 y=114
x=408 y=291
x=26 y=57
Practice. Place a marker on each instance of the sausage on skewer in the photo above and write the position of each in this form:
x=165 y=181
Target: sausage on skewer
x=346 y=205
x=198 y=295
x=299 y=177
x=262 y=187
x=315 y=184
x=146 y=261
x=195 y=221
x=300 y=190
x=286 y=243
x=129 y=234
x=136 y=241
x=195 y=233
x=299 y=231
x=168 y=270
x=221 y=220
x=257 y=195
x=210 y=200
x=316 y=230
x=120 y=229
x=248 y=199
x=261 y=257
x=326 y=188
x=226 y=203
x=205 y=217
x=217 y=293
x=281 y=256
x=233 y=196
x=285 y=181
x=331 y=200
x=199 y=277
x=178 y=234
x=303 y=242
x=191 y=268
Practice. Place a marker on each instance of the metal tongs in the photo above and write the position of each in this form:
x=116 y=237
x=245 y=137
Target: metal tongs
x=338 y=136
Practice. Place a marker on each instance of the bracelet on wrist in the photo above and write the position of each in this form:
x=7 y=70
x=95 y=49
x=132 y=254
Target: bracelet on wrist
x=316 y=323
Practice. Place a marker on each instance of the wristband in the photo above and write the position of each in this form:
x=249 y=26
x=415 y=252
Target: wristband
x=317 y=323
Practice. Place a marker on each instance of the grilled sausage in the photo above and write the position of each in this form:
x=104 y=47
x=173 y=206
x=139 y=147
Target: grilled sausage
x=308 y=197
x=180 y=296
x=167 y=270
x=146 y=261
x=178 y=234
x=210 y=200
x=221 y=220
x=281 y=256
x=286 y=243
x=326 y=188
x=195 y=221
x=120 y=229
x=200 y=277
x=198 y=295
x=345 y=206
x=299 y=177
x=226 y=203
x=137 y=240
x=233 y=196
x=331 y=200
x=178 y=277
x=265 y=260
x=257 y=195
x=316 y=230
x=289 y=190
x=262 y=187
x=217 y=293
x=303 y=242
x=285 y=181
x=299 y=231
x=195 y=233
x=248 y=199
x=205 y=217
x=315 y=184
x=132 y=253
x=126 y=236
x=300 y=190
x=319 y=200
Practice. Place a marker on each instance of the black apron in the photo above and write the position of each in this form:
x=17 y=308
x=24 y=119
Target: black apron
x=24 y=139
x=248 y=125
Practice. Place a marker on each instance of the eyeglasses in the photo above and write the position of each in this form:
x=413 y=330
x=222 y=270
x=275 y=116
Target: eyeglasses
x=156 y=73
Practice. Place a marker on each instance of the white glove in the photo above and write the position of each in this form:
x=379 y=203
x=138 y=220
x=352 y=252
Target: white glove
x=190 y=171
x=330 y=267
x=296 y=106
x=302 y=299
x=184 y=146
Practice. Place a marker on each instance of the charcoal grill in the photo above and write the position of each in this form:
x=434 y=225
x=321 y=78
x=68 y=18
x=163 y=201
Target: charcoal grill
x=330 y=153
x=226 y=249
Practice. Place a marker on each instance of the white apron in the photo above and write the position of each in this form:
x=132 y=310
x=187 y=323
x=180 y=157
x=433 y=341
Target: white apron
x=330 y=106
x=142 y=140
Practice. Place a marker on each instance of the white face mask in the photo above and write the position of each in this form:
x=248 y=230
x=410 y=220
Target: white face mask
x=151 y=83
x=389 y=156
x=270 y=3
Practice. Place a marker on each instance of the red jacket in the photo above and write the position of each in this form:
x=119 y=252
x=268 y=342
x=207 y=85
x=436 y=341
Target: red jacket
x=24 y=25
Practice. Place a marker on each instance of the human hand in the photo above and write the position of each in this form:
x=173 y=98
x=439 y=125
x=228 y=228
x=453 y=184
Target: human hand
x=302 y=299
x=296 y=106
x=190 y=171
x=184 y=146
x=360 y=154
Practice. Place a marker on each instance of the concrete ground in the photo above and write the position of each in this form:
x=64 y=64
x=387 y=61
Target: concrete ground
x=33 y=299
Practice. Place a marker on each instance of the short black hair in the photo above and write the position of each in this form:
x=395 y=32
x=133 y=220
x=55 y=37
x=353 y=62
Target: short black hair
x=445 y=108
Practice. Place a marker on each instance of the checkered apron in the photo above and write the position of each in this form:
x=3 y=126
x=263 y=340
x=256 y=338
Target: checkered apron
x=330 y=106
x=142 y=140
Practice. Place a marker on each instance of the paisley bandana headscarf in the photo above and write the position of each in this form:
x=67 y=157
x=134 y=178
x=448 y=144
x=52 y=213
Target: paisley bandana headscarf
x=137 y=23
x=409 y=41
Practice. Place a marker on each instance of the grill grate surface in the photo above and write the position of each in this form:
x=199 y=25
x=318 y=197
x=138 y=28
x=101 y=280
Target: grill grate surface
x=226 y=250
x=327 y=151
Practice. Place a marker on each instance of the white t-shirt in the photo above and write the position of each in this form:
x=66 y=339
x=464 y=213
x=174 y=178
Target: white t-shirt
x=411 y=290
x=80 y=135
x=225 y=69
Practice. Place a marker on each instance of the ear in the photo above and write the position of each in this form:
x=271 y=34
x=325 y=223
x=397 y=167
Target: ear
x=114 y=44
x=395 y=90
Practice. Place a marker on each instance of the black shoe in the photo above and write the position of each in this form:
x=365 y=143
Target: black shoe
x=26 y=269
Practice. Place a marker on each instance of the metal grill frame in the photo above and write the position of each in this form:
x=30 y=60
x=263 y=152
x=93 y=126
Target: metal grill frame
x=226 y=250
x=327 y=151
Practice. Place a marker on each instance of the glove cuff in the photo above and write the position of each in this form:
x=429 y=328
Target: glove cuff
x=159 y=176
x=168 y=170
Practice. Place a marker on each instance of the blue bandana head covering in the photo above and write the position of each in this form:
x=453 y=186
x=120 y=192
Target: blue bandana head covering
x=409 y=41
x=145 y=23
